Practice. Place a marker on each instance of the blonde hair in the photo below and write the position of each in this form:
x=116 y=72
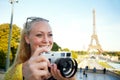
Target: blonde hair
x=24 y=50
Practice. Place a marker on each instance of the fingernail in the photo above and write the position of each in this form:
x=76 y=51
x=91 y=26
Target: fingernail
x=52 y=64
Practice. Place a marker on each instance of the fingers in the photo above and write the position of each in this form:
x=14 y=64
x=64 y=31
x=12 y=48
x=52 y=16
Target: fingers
x=38 y=75
x=37 y=66
x=42 y=70
x=56 y=73
x=40 y=50
x=39 y=61
x=37 y=58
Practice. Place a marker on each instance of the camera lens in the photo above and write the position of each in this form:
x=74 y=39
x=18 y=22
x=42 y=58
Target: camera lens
x=67 y=66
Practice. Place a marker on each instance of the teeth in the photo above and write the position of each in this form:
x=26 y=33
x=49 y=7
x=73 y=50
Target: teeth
x=43 y=46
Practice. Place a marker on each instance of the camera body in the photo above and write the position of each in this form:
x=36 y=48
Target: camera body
x=53 y=56
x=64 y=61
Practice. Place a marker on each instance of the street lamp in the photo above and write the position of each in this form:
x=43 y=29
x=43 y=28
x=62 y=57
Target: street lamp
x=12 y=2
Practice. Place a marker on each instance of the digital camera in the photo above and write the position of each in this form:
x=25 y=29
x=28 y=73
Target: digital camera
x=65 y=63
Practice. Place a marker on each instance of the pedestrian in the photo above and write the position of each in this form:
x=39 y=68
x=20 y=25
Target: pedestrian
x=84 y=72
x=85 y=75
x=94 y=70
x=104 y=70
x=80 y=70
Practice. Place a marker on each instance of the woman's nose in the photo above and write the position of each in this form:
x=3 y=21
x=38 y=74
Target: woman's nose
x=46 y=39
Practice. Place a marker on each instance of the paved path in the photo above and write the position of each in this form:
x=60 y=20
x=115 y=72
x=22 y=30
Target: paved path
x=1 y=76
x=90 y=76
x=95 y=76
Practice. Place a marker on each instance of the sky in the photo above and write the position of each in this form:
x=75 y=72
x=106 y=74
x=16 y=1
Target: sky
x=71 y=20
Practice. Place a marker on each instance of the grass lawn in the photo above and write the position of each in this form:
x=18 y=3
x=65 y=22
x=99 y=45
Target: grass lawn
x=105 y=65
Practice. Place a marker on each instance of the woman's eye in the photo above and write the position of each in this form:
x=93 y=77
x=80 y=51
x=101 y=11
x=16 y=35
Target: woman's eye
x=39 y=35
x=51 y=35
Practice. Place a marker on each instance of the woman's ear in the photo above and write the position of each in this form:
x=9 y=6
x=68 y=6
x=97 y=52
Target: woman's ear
x=27 y=39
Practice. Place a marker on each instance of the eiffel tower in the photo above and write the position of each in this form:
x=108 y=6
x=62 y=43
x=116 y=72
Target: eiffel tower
x=94 y=37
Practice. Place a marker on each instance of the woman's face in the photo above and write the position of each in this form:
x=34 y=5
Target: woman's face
x=40 y=36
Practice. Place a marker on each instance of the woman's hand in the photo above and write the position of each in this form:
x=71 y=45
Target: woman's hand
x=56 y=74
x=36 y=68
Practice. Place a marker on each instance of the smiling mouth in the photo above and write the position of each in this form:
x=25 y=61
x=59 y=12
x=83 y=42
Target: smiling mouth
x=44 y=46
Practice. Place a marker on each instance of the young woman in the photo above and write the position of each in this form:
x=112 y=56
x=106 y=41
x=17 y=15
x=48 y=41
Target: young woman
x=36 y=38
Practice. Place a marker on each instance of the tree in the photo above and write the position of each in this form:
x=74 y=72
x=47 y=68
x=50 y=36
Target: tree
x=65 y=49
x=74 y=54
x=2 y=59
x=4 y=31
x=55 y=47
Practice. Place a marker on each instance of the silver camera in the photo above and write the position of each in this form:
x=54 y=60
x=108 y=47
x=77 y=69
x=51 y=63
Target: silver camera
x=65 y=63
